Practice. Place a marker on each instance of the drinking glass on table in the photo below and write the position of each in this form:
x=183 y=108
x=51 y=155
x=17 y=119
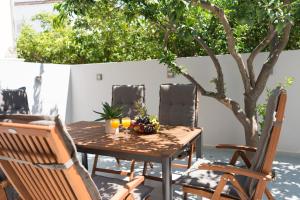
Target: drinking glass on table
x=126 y=122
x=115 y=124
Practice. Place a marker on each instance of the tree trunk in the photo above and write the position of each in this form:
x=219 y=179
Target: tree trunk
x=251 y=134
x=251 y=130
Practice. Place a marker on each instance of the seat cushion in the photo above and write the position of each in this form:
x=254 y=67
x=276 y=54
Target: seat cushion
x=207 y=179
x=108 y=187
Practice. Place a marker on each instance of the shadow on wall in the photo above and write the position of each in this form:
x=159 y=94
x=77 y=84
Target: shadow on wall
x=37 y=106
x=54 y=110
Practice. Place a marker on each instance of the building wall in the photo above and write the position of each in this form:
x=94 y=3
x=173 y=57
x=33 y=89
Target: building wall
x=47 y=85
x=6 y=24
x=24 y=10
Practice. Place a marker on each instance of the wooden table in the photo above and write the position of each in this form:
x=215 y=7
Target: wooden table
x=89 y=137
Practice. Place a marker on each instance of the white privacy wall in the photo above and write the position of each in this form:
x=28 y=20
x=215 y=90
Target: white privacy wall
x=7 y=29
x=220 y=126
x=47 y=85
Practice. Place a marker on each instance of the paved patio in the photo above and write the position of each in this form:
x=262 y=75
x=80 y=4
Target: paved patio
x=286 y=186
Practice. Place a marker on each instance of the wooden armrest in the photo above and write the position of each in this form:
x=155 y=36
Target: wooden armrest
x=236 y=170
x=138 y=180
x=121 y=194
x=237 y=147
x=125 y=191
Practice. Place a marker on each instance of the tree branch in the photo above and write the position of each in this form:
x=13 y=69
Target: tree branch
x=212 y=55
x=263 y=44
x=270 y=63
x=219 y=13
x=229 y=103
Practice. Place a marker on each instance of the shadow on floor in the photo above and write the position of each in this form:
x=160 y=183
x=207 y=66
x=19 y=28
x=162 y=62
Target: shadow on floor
x=286 y=186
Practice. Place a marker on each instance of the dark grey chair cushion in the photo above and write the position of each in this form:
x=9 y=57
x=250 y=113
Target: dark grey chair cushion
x=178 y=104
x=108 y=187
x=126 y=96
x=14 y=101
x=207 y=179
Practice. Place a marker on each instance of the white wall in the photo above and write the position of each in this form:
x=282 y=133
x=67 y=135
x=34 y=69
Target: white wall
x=7 y=33
x=219 y=123
x=48 y=96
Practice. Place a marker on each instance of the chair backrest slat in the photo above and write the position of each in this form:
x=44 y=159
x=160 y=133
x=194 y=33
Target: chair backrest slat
x=126 y=96
x=27 y=146
x=178 y=104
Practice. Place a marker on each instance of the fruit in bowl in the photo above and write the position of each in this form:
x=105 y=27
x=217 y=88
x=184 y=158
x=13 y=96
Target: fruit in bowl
x=145 y=124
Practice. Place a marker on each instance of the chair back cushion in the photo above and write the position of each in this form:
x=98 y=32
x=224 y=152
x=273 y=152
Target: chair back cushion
x=14 y=101
x=260 y=157
x=39 y=158
x=178 y=104
x=126 y=96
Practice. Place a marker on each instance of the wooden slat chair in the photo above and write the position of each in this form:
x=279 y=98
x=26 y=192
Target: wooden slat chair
x=40 y=160
x=219 y=181
x=125 y=96
x=12 y=101
x=178 y=106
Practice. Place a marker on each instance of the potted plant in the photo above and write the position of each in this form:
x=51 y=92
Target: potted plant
x=109 y=112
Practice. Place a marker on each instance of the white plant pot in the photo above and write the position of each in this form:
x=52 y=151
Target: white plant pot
x=108 y=128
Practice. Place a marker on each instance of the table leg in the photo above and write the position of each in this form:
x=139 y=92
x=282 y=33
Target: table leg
x=167 y=179
x=84 y=160
x=199 y=145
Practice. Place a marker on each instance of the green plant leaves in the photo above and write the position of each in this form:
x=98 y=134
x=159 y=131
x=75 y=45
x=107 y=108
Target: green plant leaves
x=109 y=112
x=93 y=31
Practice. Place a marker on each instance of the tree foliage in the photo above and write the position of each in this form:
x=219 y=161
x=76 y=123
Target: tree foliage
x=103 y=35
x=105 y=31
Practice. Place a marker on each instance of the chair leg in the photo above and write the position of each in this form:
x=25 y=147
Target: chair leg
x=145 y=168
x=132 y=165
x=219 y=188
x=95 y=165
x=185 y=196
x=269 y=194
x=118 y=162
x=190 y=157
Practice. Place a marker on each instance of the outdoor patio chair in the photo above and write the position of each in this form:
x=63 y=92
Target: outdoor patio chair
x=178 y=106
x=40 y=160
x=12 y=101
x=219 y=181
x=125 y=96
